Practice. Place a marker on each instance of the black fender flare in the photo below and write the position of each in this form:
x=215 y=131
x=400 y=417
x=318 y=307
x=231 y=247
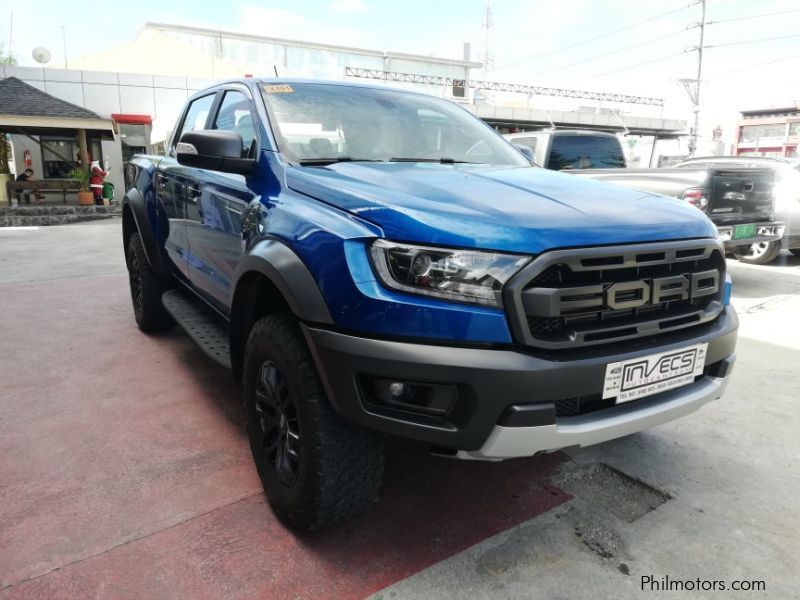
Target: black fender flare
x=288 y=273
x=134 y=201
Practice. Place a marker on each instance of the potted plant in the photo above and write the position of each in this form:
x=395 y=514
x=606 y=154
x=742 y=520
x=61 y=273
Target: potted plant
x=82 y=177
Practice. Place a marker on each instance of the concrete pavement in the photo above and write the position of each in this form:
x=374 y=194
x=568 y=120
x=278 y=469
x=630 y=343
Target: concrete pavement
x=125 y=472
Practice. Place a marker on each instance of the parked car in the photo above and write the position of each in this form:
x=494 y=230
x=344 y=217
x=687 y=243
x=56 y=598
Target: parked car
x=407 y=273
x=787 y=194
x=740 y=201
x=559 y=149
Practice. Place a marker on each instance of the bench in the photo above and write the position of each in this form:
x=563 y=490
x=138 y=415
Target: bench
x=43 y=186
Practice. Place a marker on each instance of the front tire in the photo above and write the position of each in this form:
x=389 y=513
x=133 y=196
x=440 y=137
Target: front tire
x=761 y=253
x=316 y=469
x=146 y=290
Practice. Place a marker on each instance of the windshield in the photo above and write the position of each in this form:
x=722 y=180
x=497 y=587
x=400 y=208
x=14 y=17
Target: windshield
x=312 y=122
x=585 y=152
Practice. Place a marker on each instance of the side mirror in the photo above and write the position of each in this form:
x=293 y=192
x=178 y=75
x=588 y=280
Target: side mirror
x=213 y=149
x=525 y=151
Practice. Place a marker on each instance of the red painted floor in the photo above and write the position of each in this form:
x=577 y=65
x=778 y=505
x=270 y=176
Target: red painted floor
x=125 y=473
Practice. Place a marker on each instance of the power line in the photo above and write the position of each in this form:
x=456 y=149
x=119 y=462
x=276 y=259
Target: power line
x=580 y=62
x=739 y=69
x=782 y=37
x=592 y=39
x=641 y=64
x=749 y=17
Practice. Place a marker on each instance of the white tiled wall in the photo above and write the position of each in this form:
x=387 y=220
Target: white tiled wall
x=110 y=93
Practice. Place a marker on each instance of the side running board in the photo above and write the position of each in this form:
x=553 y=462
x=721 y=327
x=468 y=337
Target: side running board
x=206 y=330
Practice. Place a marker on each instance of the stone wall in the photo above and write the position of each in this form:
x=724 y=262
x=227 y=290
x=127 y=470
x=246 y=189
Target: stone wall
x=26 y=216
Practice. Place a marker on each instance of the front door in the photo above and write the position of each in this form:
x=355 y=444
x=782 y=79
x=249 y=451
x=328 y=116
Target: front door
x=175 y=188
x=218 y=200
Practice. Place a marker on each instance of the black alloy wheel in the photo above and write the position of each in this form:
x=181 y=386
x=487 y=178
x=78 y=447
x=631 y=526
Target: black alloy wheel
x=278 y=423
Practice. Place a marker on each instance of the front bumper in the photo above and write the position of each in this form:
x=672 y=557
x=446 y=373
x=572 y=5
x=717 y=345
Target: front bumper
x=765 y=232
x=507 y=398
x=585 y=430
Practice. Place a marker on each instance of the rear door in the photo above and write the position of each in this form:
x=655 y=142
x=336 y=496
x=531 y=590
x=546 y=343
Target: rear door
x=741 y=195
x=174 y=183
x=218 y=200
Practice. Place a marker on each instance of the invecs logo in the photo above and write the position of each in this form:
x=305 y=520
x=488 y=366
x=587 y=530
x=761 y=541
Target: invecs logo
x=671 y=363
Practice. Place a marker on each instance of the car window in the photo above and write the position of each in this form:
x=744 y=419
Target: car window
x=196 y=116
x=585 y=152
x=234 y=115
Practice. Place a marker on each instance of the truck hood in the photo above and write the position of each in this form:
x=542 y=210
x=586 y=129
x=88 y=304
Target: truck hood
x=513 y=209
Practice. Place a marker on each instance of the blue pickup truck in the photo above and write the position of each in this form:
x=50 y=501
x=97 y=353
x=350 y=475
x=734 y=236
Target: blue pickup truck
x=373 y=263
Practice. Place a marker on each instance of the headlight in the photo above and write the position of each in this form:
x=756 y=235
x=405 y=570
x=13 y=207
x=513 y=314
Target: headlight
x=459 y=275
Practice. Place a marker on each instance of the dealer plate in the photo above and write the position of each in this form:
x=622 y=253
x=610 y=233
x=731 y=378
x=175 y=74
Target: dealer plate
x=744 y=231
x=639 y=377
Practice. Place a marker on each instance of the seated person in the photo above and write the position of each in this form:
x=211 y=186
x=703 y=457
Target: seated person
x=27 y=175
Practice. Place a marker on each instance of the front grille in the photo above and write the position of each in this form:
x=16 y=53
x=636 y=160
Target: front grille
x=571 y=297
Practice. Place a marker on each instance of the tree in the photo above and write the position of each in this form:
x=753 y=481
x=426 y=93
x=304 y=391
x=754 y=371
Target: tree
x=6 y=58
x=5 y=154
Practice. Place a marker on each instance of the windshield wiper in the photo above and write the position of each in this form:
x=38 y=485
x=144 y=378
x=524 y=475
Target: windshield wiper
x=321 y=162
x=443 y=160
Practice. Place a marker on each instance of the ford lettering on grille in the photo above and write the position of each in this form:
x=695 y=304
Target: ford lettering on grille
x=553 y=302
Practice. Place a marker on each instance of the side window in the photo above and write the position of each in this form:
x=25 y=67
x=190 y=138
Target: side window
x=196 y=116
x=234 y=115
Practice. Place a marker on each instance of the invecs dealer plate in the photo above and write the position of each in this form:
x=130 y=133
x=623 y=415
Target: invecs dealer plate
x=646 y=375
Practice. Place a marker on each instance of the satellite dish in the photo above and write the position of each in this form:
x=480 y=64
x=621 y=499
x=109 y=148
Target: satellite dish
x=41 y=54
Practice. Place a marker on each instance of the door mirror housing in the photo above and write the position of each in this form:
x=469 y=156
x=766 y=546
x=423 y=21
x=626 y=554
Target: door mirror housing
x=215 y=150
x=525 y=151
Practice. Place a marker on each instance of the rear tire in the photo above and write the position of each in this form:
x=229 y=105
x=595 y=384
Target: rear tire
x=146 y=290
x=761 y=253
x=316 y=468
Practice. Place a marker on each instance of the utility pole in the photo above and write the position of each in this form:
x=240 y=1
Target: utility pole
x=488 y=59
x=64 y=42
x=698 y=81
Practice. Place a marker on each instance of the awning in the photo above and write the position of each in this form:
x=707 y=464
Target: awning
x=37 y=125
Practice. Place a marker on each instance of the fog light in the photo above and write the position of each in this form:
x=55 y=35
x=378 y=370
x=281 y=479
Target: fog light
x=434 y=399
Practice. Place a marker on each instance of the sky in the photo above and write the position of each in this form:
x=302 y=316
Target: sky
x=543 y=42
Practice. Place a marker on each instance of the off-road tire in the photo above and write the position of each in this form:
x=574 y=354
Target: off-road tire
x=338 y=465
x=758 y=254
x=146 y=290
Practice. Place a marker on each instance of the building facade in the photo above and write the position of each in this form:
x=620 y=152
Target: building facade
x=773 y=132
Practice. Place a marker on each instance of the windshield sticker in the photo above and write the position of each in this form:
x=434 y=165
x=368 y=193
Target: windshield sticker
x=278 y=89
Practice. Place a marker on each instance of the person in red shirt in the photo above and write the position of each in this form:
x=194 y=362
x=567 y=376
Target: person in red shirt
x=96 y=180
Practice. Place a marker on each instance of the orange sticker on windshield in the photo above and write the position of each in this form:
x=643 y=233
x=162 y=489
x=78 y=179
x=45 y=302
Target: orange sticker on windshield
x=278 y=89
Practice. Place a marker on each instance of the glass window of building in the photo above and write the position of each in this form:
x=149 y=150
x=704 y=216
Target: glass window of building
x=59 y=156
